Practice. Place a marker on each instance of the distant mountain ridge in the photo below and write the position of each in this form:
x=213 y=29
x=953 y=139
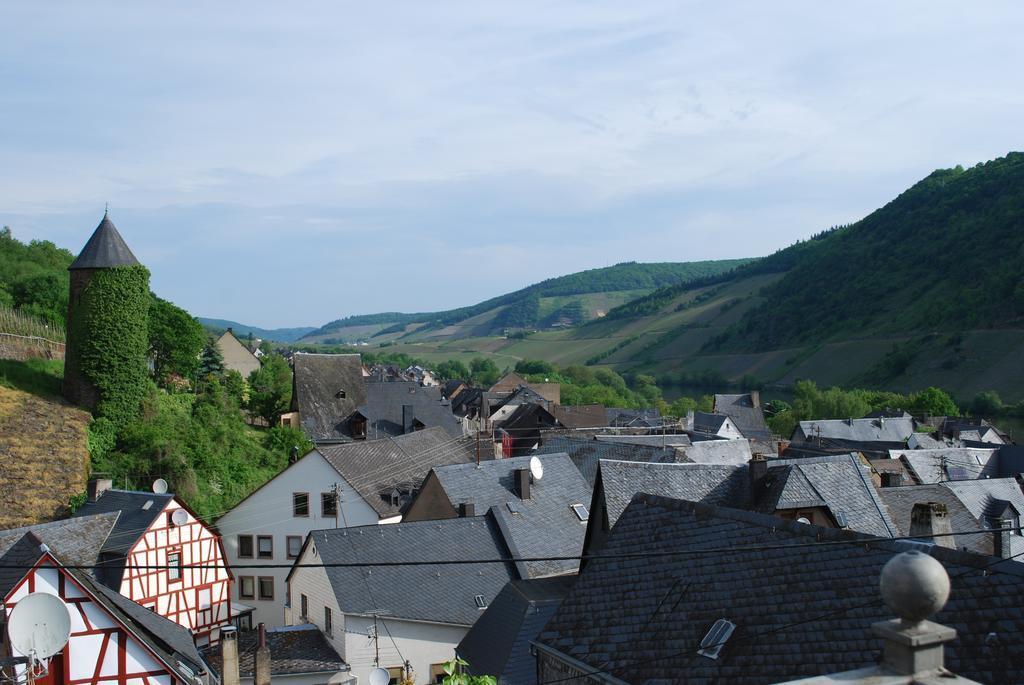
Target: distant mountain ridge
x=522 y=308
x=243 y=330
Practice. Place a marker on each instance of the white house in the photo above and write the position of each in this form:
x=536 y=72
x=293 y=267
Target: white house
x=406 y=613
x=336 y=486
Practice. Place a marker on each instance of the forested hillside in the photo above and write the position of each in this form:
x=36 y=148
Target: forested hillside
x=34 y=277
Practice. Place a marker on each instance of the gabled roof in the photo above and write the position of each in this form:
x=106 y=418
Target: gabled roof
x=987 y=497
x=499 y=643
x=435 y=593
x=704 y=422
x=900 y=502
x=800 y=608
x=327 y=390
x=581 y=416
x=374 y=468
x=586 y=453
x=657 y=439
x=77 y=540
x=543 y=525
x=383 y=408
x=859 y=430
x=294 y=650
x=950 y=463
x=104 y=249
x=639 y=418
x=137 y=512
x=746 y=416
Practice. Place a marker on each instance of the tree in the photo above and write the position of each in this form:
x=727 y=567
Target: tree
x=455 y=674
x=270 y=388
x=933 y=402
x=211 y=361
x=452 y=369
x=986 y=403
x=483 y=371
x=175 y=340
x=534 y=366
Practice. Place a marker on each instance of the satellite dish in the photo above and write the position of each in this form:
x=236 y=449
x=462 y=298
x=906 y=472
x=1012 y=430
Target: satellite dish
x=179 y=517
x=379 y=676
x=40 y=625
x=804 y=520
x=536 y=468
x=159 y=486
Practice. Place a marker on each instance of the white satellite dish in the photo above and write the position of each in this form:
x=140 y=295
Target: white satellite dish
x=179 y=517
x=536 y=468
x=159 y=486
x=40 y=625
x=804 y=520
x=379 y=676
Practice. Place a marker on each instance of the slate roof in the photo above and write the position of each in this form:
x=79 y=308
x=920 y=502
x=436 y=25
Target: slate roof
x=747 y=418
x=436 y=593
x=984 y=497
x=900 y=502
x=951 y=463
x=499 y=643
x=586 y=453
x=293 y=650
x=800 y=610
x=581 y=416
x=633 y=417
x=651 y=439
x=134 y=519
x=77 y=541
x=543 y=525
x=718 y=452
x=383 y=408
x=374 y=468
x=859 y=430
x=840 y=483
x=104 y=249
x=703 y=422
x=317 y=382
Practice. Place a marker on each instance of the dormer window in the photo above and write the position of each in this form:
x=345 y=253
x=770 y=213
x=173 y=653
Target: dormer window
x=340 y=394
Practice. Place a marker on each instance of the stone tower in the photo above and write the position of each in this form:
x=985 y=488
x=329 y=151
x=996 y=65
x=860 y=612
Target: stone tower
x=106 y=249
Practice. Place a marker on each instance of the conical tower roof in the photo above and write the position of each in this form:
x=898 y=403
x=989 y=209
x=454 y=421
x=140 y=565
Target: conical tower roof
x=106 y=248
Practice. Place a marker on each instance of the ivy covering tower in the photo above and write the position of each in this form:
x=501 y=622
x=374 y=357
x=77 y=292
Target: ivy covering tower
x=105 y=360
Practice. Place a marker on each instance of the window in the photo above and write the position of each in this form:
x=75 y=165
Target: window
x=328 y=623
x=328 y=504
x=396 y=673
x=294 y=545
x=265 y=547
x=481 y=603
x=300 y=504
x=304 y=606
x=174 y=565
x=266 y=587
x=246 y=587
x=437 y=674
x=581 y=512
x=245 y=546
x=712 y=644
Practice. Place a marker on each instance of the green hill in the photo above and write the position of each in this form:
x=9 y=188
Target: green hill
x=242 y=330
x=563 y=301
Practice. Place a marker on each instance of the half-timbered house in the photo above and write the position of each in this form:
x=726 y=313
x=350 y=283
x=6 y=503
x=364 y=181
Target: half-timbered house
x=113 y=641
x=162 y=556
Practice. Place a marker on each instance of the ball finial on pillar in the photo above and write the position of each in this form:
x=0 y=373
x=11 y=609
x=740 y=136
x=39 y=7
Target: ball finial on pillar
x=914 y=586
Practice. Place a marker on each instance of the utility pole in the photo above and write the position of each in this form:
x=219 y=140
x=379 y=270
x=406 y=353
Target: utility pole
x=337 y=502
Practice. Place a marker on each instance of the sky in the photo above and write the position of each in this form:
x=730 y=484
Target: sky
x=287 y=164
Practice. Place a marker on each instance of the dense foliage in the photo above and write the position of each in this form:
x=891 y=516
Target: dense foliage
x=625 y=276
x=270 y=388
x=175 y=339
x=947 y=254
x=108 y=339
x=34 y=277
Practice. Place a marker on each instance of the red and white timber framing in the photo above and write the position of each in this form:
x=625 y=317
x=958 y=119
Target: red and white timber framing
x=101 y=650
x=198 y=596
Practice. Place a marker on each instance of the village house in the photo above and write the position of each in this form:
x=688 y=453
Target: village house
x=790 y=600
x=237 y=356
x=706 y=425
x=540 y=506
x=890 y=431
x=298 y=655
x=333 y=486
x=113 y=640
x=388 y=613
x=745 y=413
x=507 y=384
x=192 y=585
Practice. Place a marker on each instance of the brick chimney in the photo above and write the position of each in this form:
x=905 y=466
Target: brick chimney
x=522 y=480
x=1001 y=538
x=891 y=480
x=928 y=519
x=262 y=670
x=755 y=398
x=757 y=468
x=96 y=488
x=408 y=416
x=229 y=654
x=467 y=510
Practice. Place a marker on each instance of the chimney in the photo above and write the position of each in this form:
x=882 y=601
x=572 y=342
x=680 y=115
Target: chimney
x=229 y=652
x=262 y=675
x=407 y=418
x=522 y=477
x=97 y=486
x=755 y=398
x=757 y=468
x=1001 y=541
x=467 y=510
x=891 y=480
x=928 y=519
